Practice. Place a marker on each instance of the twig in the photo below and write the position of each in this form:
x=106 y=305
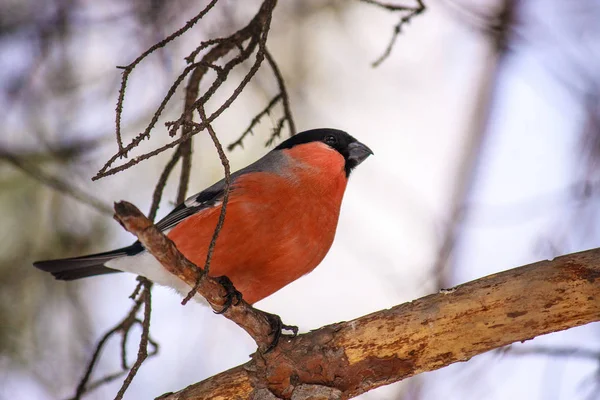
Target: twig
x=388 y=6
x=287 y=112
x=276 y=132
x=254 y=122
x=256 y=31
x=55 y=183
x=409 y=14
x=204 y=45
x=143 y=347
x=213 y=240
x=129 y=68
x=185 y=148
x=162 y=181
x=123 y=328
x=186 y=167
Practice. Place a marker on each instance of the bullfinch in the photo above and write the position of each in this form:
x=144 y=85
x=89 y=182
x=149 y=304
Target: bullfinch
x=280 y=220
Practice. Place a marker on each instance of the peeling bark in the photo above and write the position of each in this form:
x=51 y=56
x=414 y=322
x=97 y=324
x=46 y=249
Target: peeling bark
x=346 y=359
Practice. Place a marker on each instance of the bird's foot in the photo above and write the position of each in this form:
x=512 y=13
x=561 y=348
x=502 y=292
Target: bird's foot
x=233 y=296
x=277 y=326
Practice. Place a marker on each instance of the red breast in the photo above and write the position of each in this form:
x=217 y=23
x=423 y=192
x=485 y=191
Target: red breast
x=278 y=226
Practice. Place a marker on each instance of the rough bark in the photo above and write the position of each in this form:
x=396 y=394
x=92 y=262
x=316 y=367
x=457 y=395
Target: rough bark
x=346 y=359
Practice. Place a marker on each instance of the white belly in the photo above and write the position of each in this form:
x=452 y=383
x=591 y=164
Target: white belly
x=146 y=265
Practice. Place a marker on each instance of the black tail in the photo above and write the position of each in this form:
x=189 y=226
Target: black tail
x=68 y=269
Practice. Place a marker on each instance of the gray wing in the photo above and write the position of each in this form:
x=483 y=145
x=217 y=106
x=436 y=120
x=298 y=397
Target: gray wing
x=213 y=195
x=205 y=199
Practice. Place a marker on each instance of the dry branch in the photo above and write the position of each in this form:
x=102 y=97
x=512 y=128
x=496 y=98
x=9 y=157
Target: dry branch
x=423 y=335
x=60 y=185
x=254 y=34
x=221 y=221
x=141 y=297
x=407 y=13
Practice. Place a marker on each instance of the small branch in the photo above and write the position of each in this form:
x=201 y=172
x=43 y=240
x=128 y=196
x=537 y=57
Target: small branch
x=186 y=169
x=129 y=68
x=409 y=14
x=256 y=31
x=124 y=327
x=185 y=148
x=162 y=181
x=422 y=335
x=276 y=132
x=213 y=240
x=143 y=347
x=156 y=243
x=287 y=111
x=388 y=6
x=254 y=122
x=54 y=182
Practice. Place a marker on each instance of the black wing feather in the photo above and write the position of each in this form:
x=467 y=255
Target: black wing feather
x=190 y=207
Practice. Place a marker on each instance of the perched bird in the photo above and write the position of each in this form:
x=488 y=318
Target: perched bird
x=280 y=220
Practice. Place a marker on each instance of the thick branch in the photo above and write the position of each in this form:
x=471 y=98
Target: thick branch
x=248 y=318
x=423 y=335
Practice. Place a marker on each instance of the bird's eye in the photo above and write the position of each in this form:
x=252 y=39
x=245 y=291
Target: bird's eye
x=330 y=140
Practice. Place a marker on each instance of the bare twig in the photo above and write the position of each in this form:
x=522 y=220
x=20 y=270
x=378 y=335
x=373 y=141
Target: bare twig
x=388 y=6
x=407 y=14
x=213 y=240
x=287 y=112
x=124 y=327
x=254 y=122
x=162 y=181
x=62 y=152
x=129 y=68
x=256 y=32
x=276 y=132
x=186 y=168
x=54 y=182
x=145 y=339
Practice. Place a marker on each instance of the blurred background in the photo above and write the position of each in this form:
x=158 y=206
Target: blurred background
x=484 y=120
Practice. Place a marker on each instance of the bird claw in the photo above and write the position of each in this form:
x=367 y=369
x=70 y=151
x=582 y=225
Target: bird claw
x=233 y=296
x=277 y=326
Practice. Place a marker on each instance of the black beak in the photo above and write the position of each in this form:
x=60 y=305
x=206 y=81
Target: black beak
x=357 y=153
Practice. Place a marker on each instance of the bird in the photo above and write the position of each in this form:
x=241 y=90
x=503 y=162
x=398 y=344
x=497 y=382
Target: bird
x=280 y=220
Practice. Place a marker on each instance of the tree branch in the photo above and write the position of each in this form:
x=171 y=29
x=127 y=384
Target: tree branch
x=54 y=182
x=407 y=13
x=423 y=335
x=255 y=33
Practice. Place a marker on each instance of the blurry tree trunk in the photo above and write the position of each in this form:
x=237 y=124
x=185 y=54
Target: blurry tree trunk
x=499 y=30
x=346 y=359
